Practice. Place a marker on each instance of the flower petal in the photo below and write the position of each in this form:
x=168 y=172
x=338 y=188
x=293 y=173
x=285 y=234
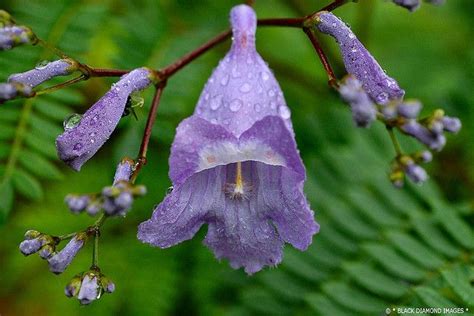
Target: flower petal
x=77 y=145
x=34 y=77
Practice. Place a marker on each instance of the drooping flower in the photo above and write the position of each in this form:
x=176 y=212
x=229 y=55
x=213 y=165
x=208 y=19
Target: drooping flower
x=89 y=286
x=235 y=166
x=359 y=62
x=363 y=109
x=14 y=35
x=36 y=242
x=81 y=141
x=42 y=73
x=61 y=260
x=411 y=5
x=10 y=91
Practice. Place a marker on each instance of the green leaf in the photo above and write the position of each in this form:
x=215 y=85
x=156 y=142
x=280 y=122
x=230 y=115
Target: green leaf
x=6 y=196
x=44 y=127
x=324 y=306
x=432 y=298
x=354 y=299
x=27 y=185
x=455 y=226
x=41 y=145
x=459 y=278
x=52 y=109
x=415 y=249
x=7 y=132
x=375 y=281
x=39 y=166
x=434 y=237
x=263 y=303
x=393 y=262
x=302 y=267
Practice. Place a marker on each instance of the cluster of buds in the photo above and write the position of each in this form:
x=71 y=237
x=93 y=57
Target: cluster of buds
x=372 y=94
x=412 y=5
x=45 y=245
x=408 y=165
x=21 y=84
x=114 y=200
x=12 y=35
x=89 y=286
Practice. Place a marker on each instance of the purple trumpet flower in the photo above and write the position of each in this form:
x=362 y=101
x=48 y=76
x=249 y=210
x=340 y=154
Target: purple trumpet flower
x=90 y=289
x=359 y=62
x=40 y=74
x=60 y=261
x=235 y=166
x=79 y=143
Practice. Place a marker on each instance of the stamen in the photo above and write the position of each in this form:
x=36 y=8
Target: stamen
x=240 y=189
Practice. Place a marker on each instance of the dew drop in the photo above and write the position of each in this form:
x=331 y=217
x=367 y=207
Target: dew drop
x=284 y=112
x=257 y=107
x=216 y=102
x=72 y=121
x=42 y=64
x=235 y=105
x=206 y=96
x=249 y=60
x=382 y=98
x=225 y=80
x=273 y=105
x=246 y=87
x=351 y=35
x=235 y=73
x=265 y=76
x=271 y=93
x=77 y=146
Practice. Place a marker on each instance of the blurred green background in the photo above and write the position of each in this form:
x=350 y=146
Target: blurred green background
x=378 y=247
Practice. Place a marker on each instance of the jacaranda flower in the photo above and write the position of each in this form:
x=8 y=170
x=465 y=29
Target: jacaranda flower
x=359 y=62
x=40 y=74
x=80 y=142
x=363 y=109
x=235 y=166
x=60 y=261
x=9 y=91
x=89 y=286
x=14 y=35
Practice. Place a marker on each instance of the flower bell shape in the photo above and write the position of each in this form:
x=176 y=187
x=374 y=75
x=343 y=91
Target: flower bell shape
x=359 y=62
x=80 y=142
x=235 y=166
x=42 y=73
x=60 y=261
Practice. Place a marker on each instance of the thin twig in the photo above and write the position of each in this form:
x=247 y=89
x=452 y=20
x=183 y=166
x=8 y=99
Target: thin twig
x=322 y=56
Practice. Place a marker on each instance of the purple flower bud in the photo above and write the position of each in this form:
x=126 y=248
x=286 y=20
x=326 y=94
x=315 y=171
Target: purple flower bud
x=416 y=173
x=108 y=285
x=425 y=156
x=40 y=74
x=46 y=252
x=30 y=246
x=72 y=289
x=411 y=5
x=363 y=109
x=90 y=289
x=409 y=109
x=434 y=141
x=9 y=91
x=77 y=203
x=94 y=208
x=124 y=170
x=451 y=124
x=11 y=36
x=118 y=205
x=59 y=262
x=79 y=143
x=359 y=62
x=436 y=2
x=124 y=200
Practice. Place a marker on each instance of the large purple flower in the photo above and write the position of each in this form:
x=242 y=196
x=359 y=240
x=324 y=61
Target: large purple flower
x=78 y=144
x=235 y=166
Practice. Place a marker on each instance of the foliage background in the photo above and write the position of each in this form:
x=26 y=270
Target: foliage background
x=378 y=247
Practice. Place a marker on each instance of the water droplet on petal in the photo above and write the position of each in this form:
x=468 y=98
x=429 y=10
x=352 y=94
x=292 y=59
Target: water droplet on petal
x=273 y=105
x=246 y=87
x=284 y=112
x=41 y=65
x=265 y=76
x=249 y=60
x=382 y=98
x=72 y=121
x=216 y=102
x=225 y=80
x=235 y=105
x=235 y=73
x=77 y=146
x=271 y=93
x=257 y=107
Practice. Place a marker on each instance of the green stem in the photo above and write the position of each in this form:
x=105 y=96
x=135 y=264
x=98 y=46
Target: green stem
x=95 y=250
x=68 y=236
x=396 y=144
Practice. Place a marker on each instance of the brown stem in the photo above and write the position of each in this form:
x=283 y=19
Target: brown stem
x=322 y=56
x=141 y=159
x=186 y=59
x=334 y=5
x=100 y=72
x=290 y=22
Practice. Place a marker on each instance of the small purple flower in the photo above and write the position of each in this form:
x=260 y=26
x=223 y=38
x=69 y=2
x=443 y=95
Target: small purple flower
x=359 y=62
x=235 y=166
x=40 y=74
x=411 y=5
x=46 y=252
x=77 y=203
x=451 y=124
x=90 y=289
x=416 y=173
x=363 y=109
x=9 y=91
x=59 y=262
x=434 y=141
x=79 y=143
x=409 y=109
x=13 y=35
x=30 y=246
